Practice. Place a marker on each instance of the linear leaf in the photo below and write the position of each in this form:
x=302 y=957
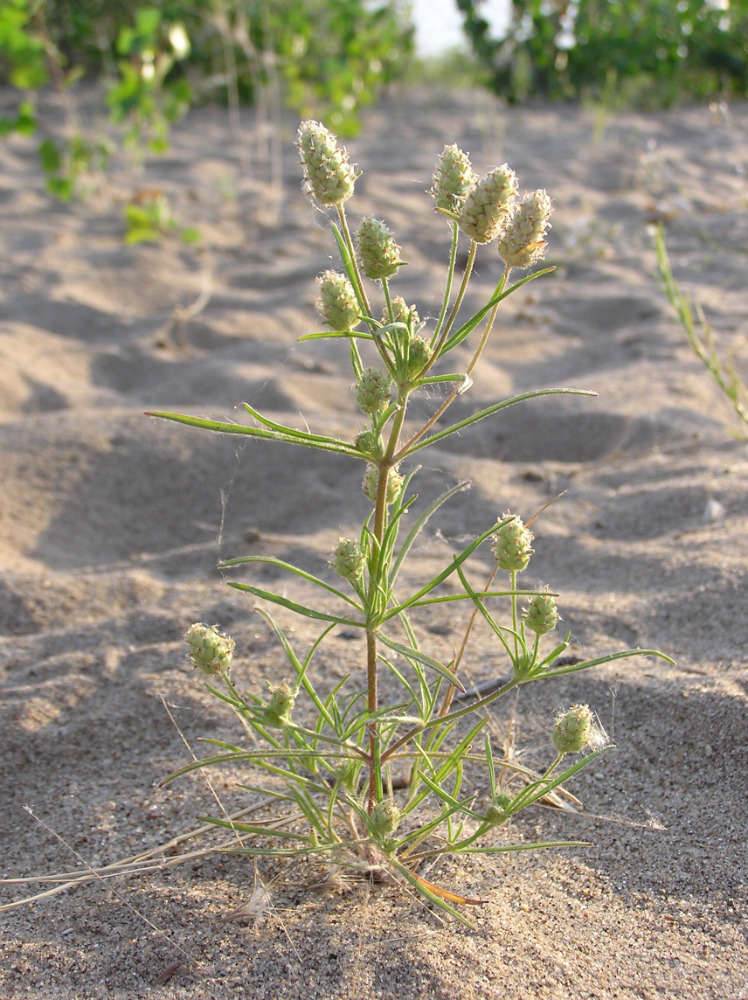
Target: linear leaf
x=441 y=577
x=467 y=328
x=270 y=561
x=490 y=410
x=300 y=609
x=286 y=434
x=410 y=653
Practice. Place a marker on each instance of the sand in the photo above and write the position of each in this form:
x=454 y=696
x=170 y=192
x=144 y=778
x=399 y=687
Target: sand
x=112 y=525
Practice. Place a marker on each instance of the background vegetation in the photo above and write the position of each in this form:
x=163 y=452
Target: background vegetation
x=643 y=52
x=328 y=61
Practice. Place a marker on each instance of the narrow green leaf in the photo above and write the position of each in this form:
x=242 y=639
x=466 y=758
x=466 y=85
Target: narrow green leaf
x=448 y=598
x=300 y=609
x=489 y=411
x=414 y=654
x=450 y=800
x=420 y=885
x=262 y=831
x=289 y=852
x=537 y=846
x=288 y=436
x=586 y=664
x=467 y=328
x=270 y=561
x=542 y=786
x=304 y=437
x=441 y=577
x=259 y=756
x=337 y=335
x=419 y=525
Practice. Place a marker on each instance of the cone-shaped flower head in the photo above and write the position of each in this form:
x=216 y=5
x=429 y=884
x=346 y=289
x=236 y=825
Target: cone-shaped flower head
x=368 y=443
x=453 y=179
x=211 y=651
x=512 y=544
x=402 y=313
x=328 y=176
x=281 y=704
x=522 y=243
x=384 y=817
x=488 y=205
x=371 y=478
x=574 y=730
x=419 y=354
x=337 y=304
x=377 y=251
x=541 y=615
x=348 y=560
x=373 y=391
x=496 y=812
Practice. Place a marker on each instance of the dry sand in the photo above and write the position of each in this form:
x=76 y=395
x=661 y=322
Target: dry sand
x=111 y=526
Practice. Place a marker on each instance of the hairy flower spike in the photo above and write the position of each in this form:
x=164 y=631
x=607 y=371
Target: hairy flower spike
x=337 y=304
x=328 y=176
x=371 y=478
x=541 y=615
x=522 y=243
x=512 y=544
x=419 y=354
x=453 y=179
x=574 y=730
x=348 y=559
x=402 y=313
x=497 y=810
x=384 y=818
x=488 y=204
x=373 y=391
x=281 y=704
x=378 y=253
x=368 y=443
x=211 y=651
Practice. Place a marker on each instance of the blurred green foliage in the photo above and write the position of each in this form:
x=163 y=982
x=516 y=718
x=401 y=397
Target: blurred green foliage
x=329 y=59
x=642 y=52
x=155 y=61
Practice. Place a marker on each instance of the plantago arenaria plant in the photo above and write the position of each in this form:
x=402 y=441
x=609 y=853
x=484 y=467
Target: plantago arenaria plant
x=395 y=783
x=722 y=370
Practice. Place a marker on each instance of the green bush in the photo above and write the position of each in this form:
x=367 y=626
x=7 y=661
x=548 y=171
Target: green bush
x=650 y=52
x=156 y=61
x=329 y=59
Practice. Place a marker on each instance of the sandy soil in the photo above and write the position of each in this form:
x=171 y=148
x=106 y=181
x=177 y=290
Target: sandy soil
x=112 y=525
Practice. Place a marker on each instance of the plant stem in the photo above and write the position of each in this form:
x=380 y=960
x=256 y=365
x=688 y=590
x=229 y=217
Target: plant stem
x=448 y=288
x=379 y=574
x=458 y=301
x=359 y=287
x=457 y=714
x=372 y=696
x=450 y=693
x=455 y=392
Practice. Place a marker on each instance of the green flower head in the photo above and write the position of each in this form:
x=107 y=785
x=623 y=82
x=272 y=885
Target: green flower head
x=488 y=205
x=371 y=478
x=453 y=179
x=575 y=730
x=337 y=304
x=377 y=251
x=541 y=615
x=211 y=651
x=348 y=560
x=373 y=391
x=512 y=544
x=522 y=243
x=328 y=176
